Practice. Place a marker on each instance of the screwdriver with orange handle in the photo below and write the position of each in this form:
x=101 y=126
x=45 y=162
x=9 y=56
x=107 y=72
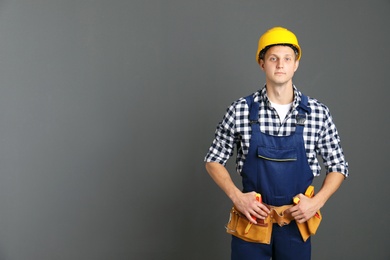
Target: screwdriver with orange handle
x=248 y=227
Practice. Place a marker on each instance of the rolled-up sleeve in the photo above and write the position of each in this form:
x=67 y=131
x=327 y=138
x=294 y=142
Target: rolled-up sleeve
x=222 y=147
x=330 y=148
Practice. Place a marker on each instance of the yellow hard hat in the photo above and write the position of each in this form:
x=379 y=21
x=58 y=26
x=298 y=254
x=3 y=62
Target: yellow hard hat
x=278 y=35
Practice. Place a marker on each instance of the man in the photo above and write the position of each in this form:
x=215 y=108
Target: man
x=278 y=133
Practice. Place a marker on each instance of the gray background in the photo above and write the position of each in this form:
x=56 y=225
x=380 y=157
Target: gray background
x=107 y=109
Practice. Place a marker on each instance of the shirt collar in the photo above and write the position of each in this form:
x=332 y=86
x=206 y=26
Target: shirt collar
x=261 y=96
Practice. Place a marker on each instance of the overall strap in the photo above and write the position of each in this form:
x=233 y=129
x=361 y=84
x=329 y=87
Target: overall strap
x=253 y=112
x=303 y=110
x=303 y=105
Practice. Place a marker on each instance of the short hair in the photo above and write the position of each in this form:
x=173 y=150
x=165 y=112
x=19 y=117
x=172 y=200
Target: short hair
x=263 y=51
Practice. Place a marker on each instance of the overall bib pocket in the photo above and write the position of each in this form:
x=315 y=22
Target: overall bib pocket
x=277 y=155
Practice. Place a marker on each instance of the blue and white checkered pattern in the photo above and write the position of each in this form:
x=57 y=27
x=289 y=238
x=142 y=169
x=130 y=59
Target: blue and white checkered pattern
x=320 y=133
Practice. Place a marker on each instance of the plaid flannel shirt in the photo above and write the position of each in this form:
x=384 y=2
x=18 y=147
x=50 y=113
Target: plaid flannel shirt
x=320 y=134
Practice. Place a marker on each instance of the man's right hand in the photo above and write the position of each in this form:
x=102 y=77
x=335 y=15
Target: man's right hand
x=247 y=204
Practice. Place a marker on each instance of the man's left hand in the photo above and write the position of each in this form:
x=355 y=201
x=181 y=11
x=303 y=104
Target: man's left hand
x=304 y=210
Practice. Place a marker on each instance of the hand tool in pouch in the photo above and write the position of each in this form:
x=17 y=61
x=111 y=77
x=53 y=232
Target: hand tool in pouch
x=309 y=227
x=248 y=227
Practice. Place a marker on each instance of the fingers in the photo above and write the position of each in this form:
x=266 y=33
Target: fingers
x=301 y=218
x=252 y=216
x=300 y=214
x=252 y=208
x=257 y=211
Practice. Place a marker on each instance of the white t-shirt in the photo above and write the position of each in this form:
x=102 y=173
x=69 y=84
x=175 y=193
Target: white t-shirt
x=282 y=110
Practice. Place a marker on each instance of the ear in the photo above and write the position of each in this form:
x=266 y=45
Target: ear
x=261 y=64
x=296 y=65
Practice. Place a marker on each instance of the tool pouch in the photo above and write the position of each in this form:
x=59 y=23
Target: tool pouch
x=258 y=233
x=261 y=232
x=310 y=227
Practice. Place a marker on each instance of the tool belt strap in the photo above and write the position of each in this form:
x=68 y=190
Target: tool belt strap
x=277 y=215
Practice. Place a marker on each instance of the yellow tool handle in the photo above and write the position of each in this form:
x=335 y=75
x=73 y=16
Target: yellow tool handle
x=308 y=193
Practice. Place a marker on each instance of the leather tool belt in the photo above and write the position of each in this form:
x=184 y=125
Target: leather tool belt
x=261 y=232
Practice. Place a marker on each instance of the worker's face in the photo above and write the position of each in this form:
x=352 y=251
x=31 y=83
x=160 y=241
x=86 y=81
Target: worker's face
x=279 y=65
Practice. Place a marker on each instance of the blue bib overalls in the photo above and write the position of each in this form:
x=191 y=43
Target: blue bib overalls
x=278 y=169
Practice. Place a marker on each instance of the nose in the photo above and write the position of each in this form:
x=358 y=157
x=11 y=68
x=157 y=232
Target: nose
x=279 y=64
